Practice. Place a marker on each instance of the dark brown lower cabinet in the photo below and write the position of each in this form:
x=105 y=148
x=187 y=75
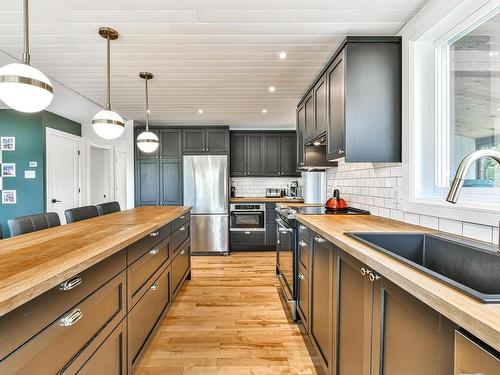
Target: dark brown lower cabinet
x=180 y=266
x=321 y=314
x=303 y=300
x=474 y=357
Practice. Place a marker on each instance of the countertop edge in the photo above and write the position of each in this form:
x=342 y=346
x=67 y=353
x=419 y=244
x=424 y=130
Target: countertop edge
x=435 y=297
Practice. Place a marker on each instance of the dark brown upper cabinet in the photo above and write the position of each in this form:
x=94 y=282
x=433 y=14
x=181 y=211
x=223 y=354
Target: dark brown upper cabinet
x=263 y=154
x=357 y=100
x=170 y=144
x=206 y=140
x=301 y=130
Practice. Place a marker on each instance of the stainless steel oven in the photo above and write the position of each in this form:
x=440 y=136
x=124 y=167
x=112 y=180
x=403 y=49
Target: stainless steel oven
x=248 y=217
x=286 y=260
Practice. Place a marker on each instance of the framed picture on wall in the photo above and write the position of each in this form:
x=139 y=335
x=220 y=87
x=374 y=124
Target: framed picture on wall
x=9 y=197
x=8 y=143
x=9 y=170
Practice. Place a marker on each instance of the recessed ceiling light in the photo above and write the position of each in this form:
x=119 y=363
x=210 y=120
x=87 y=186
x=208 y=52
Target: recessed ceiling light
x=200 y=111
x=264 y=111
x=272 y=89
x=283 y=55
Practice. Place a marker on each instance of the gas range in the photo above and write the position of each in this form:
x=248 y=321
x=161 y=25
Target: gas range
x=289 y=213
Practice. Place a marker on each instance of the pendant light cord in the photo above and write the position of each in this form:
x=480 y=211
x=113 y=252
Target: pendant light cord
x=108 y=66
x=26 y=33
x=147 y=105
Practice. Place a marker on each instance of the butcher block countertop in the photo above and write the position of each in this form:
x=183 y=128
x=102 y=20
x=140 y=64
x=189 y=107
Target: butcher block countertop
x=264 y=200
x=482 y=320
x=33 y=263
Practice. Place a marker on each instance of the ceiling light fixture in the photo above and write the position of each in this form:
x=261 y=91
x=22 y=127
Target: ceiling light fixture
x=272 y=89
x=147 y=141
x=264 y=111
x=23 y=87
x=200 y=111
x=108 y=124
x=283 y=55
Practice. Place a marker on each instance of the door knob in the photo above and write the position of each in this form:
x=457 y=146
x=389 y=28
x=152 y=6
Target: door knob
x=55 y=201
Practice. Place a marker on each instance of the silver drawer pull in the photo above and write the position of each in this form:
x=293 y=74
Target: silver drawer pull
x=182 y=228
x=70 y=319
x=183 y=252
x=154 y=234
x=319 y=239
x=247 y=232
x=302 y=243
x=302 y=227
x=301 y=276
x=71 y=283
x=155 y=286
x=154 y=251
x=182 y=217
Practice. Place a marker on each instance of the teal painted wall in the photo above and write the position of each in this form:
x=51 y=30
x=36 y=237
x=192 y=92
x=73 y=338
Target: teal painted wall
x=29 y=130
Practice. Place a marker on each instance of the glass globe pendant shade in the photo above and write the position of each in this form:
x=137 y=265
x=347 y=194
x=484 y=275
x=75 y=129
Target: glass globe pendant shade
x=24 y=88
x=147 y=142
x=108 y=124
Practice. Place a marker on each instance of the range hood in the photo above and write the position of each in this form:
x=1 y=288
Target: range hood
x=315 y=155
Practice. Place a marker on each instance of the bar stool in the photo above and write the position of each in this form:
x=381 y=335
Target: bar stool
x=80 y=213
x=32 y=223
x=108 y=208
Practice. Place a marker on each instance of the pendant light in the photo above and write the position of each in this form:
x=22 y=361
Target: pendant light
x=23 y=87
x=108 y=124
x=147 y=141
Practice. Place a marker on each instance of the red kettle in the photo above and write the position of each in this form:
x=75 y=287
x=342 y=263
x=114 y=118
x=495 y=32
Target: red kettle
x=336 y=203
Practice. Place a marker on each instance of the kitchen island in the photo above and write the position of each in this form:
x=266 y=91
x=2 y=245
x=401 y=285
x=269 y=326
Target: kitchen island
x=89 y=295
x=366 y=309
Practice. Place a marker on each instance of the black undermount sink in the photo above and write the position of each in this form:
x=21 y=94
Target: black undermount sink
x=469 y=266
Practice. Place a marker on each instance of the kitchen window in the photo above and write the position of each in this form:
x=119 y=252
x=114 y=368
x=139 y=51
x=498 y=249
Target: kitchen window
x=453 y=109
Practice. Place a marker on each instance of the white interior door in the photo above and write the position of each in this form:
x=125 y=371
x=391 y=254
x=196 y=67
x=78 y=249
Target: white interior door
x=99 y=170
x=63 y=172
x=121 y=178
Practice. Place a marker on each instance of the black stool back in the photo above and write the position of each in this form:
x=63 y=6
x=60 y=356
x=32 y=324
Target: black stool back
x=108 y=208
x=80 y=213
x=32 y=223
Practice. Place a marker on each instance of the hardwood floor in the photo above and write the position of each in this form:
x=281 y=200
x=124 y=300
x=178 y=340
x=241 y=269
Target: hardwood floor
x=228 y=320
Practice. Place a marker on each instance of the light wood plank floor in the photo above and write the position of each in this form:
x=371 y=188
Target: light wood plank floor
x=228 y=320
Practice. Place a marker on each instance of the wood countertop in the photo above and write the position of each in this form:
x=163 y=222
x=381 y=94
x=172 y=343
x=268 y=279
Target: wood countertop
x=482 y=320
x=264 y=200
x=33 y=263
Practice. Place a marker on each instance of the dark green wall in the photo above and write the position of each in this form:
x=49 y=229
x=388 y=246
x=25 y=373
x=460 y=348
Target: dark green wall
x=29 y=130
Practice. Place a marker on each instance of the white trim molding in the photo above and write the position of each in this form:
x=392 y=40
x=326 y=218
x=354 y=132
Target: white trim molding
x=436 y=24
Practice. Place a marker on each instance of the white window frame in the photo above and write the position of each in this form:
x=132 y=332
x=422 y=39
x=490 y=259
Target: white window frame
x=426 y=125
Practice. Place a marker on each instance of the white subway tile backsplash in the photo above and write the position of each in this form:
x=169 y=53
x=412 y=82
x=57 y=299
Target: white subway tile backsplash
x=478 y=232
x=451 y=226
x=378 y=187
x=256 y=186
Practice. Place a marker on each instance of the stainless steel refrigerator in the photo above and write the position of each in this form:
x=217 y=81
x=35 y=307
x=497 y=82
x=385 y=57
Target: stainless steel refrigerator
x=206 y=189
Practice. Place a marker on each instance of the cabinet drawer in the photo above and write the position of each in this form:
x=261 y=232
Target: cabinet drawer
x=303 y=297
x=305 y=234
x=109 y=356
x=181 y=220
x=146 y=313
x=19 y=325
x=305 y=251
x=473 y=358
x=179 y=236
x=143 y=269
x=54 y=348
x=271 y=215
x=180 y=265
x=250 y=238
x=141 y=247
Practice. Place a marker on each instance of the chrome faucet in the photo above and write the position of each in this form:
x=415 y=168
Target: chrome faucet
x=463 y=168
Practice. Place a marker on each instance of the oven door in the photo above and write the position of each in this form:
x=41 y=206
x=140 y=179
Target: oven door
x=248 y=221
x=286 y=256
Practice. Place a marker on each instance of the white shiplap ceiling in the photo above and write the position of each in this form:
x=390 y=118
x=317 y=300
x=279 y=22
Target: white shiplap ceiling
x=217 y=55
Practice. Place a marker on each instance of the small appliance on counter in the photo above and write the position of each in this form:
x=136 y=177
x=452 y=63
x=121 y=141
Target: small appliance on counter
x=233 y=192
x=273 y=193
x=335 y=203
x=293 y=191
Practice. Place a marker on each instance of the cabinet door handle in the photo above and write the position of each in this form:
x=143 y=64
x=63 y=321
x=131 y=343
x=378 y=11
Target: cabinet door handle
x=365 y=271
x=154 y=251
x=302 y=243
x=301 y=276
x=341 y=151
x=182 y=217
x=302 y=227
x=373 y=277
x=71 y=283
x=183 y=252
x=70 y=319
x=154 y=287
x=154 y=234
x=319 y=239
x=182 y=228
x=247 y=232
